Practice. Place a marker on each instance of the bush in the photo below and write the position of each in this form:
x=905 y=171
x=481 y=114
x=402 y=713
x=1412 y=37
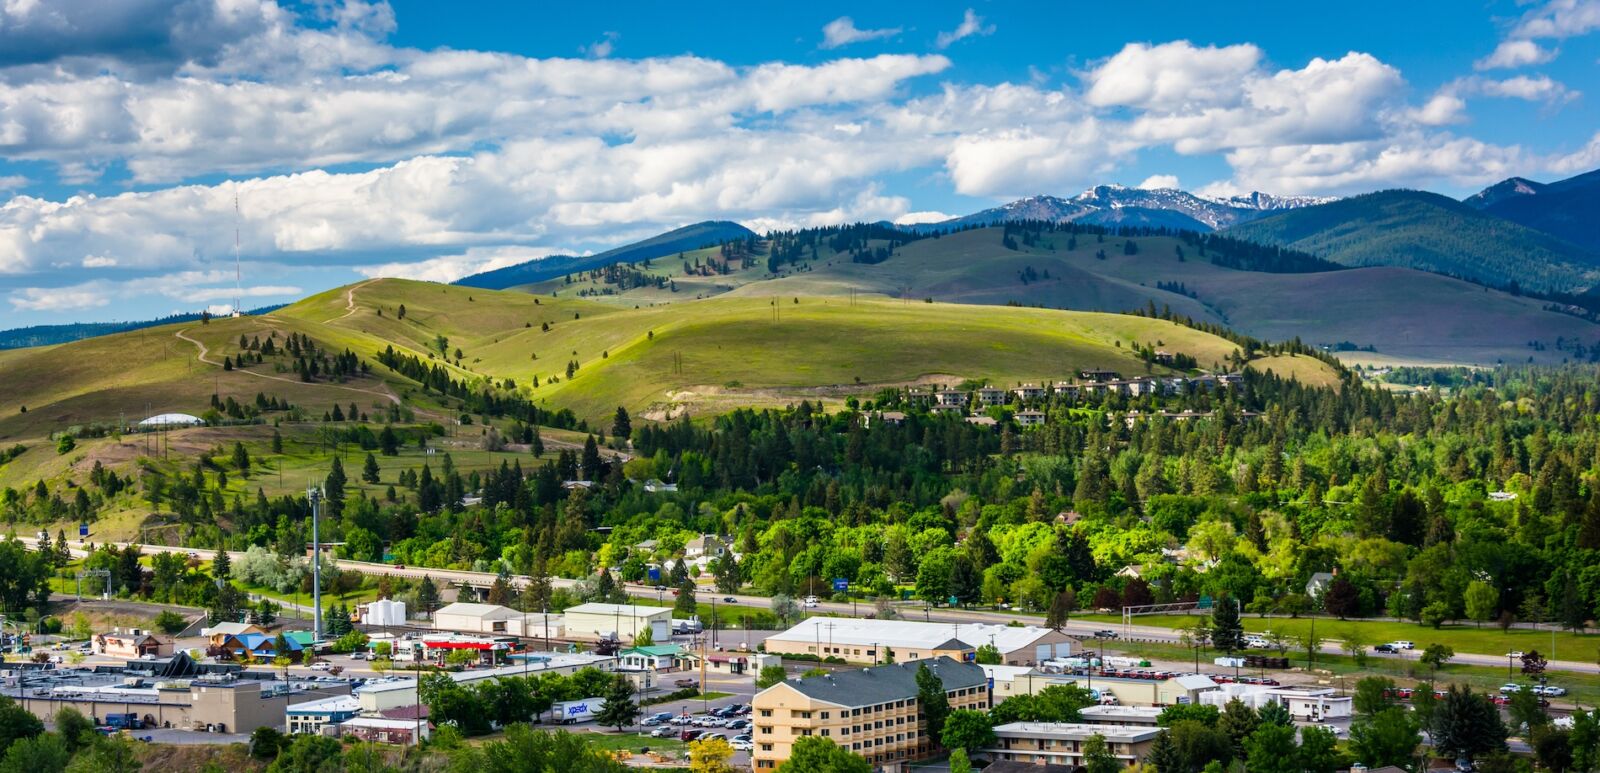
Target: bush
x=676 y=695
x=169 y=622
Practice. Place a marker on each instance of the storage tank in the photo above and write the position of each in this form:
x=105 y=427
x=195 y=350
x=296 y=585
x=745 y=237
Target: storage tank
x=385 y=612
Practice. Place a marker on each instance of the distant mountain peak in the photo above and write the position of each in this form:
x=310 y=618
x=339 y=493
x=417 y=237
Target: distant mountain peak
x=1111 y=204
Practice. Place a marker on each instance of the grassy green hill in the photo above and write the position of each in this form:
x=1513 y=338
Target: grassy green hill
x=1400 y=312
x=689 y=237
x=1415 y=229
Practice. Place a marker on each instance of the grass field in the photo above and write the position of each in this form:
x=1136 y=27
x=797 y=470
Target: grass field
x=1464 y=638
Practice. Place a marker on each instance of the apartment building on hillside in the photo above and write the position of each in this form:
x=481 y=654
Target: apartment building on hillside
x=873 y=712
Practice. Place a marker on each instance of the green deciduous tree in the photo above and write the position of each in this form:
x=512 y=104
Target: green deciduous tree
x=813 y=754
x=1272 y=749
x=967 y=729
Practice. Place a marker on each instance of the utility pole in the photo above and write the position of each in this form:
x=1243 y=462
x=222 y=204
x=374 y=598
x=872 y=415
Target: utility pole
x=314 y=495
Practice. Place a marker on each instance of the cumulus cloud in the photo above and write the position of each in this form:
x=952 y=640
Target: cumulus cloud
x=971 y=24
x=1158 y=182
x=1559 y=19
x=63 y=299
x=843 y=31
x=1515 y=53
x=187 y=286
x=1172 y=76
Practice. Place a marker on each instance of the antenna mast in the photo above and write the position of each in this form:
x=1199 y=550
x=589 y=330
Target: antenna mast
x=238 y=282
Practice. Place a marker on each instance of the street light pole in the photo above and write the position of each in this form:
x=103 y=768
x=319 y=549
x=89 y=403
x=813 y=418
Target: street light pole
x=314 y=495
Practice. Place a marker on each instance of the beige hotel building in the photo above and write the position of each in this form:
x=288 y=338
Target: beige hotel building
x=870 y=711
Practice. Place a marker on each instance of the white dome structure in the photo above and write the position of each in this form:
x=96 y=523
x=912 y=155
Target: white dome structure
x=172 y=420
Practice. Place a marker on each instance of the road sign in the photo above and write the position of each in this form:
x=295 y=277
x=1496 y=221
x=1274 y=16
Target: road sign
x=655 y=574
x=83 y=530
x=953 y=601
x=841 y=584
x=1205 y=602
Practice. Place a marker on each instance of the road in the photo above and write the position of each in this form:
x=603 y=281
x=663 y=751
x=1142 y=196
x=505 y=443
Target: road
x=1143 y=633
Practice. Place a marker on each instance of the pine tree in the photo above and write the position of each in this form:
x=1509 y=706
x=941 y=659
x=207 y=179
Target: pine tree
x=1227 y=633
x=369 y=471
x=333 y=486
x=932 y=703
x=621 y=425
x=427 y=595
x=620 y=709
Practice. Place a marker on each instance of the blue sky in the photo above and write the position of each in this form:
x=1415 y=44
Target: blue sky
x=434 y=139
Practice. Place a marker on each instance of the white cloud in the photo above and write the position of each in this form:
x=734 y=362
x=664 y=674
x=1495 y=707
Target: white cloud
x=1515 y=53
x=603 y=47
x=1172 y=76
x=449 y=268
x=12 y=182
x=98 y=261
x=1559 y=19
x=971 y=24
x=843 y=31
x=63 y=299
x=1160 y=182
x=1531 y=88
x=917 y=218
x=1442 y=109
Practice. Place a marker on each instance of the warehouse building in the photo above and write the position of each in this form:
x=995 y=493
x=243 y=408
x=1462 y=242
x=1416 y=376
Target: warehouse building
x=496 y=619
x=1167 y=691
x=596 y=621
x=882 y=641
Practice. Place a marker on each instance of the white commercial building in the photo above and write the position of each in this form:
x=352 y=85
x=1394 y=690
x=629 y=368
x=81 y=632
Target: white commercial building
x=496 y=619
x=1306 y=703
x=625 y=621
x=875 y=641
x=399 y=692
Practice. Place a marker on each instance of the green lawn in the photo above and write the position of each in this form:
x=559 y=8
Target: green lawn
x=1462 y=637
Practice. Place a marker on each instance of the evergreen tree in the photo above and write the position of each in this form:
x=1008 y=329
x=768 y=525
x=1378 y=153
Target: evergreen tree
x=685 y=604
x=621 y=426
x=369 y=470
x=1466 y=724
x=333 y=485
x=620 y=709
x=241 y=459
x=427 y=595
x=1227 y=632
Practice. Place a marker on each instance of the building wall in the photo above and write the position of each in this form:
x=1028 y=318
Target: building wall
x=1062 y=752
x=582 y=625
x=881 y=733
x=1129 y=692
x=866 y=653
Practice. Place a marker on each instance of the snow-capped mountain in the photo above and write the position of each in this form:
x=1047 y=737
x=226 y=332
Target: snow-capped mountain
x=1116 y=205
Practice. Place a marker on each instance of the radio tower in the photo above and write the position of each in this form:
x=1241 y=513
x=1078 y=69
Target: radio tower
x=238 y=282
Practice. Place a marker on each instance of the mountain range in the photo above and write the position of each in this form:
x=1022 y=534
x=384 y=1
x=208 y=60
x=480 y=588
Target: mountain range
x=689 y=237
x=1117 y=206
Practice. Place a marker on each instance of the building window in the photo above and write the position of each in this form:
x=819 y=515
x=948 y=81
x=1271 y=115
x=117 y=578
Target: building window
x=824 y=715
x=766 y=747
x=825 y=732
x=766 y=729
x=766 y=712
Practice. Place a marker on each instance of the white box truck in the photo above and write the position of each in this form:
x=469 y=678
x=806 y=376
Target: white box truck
x=573 y=712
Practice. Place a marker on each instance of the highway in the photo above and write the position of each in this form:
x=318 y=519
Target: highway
x=905 y=611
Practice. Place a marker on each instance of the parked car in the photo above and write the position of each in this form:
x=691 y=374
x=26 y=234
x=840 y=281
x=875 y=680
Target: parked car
x=741 y=746
x=1510 y=687
x=1551 y=691
x=686 y=682
x=690 y=735
x=665 y=731
x=1388 y=648
x=739 y=724
x=1335 y=729
x=658 y=718
x=321 y=665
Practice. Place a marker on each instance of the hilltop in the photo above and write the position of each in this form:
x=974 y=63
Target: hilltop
x=1568 y=209
x=1274 y=295
x=1429 y=232
x=689 y=237
x=1116 y=205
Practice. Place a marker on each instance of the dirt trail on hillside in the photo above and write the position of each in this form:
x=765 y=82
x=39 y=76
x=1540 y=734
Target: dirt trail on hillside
x=387 y=395
x=350 y=299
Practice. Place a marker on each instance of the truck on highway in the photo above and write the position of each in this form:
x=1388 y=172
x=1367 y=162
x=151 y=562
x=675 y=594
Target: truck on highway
x=573 y=712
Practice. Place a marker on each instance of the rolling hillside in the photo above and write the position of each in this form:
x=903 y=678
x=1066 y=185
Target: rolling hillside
x=1426 y=231
x=1399 y=312
x=689 y=237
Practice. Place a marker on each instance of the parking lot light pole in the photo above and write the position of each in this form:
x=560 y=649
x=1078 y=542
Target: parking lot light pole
x=314 y=495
